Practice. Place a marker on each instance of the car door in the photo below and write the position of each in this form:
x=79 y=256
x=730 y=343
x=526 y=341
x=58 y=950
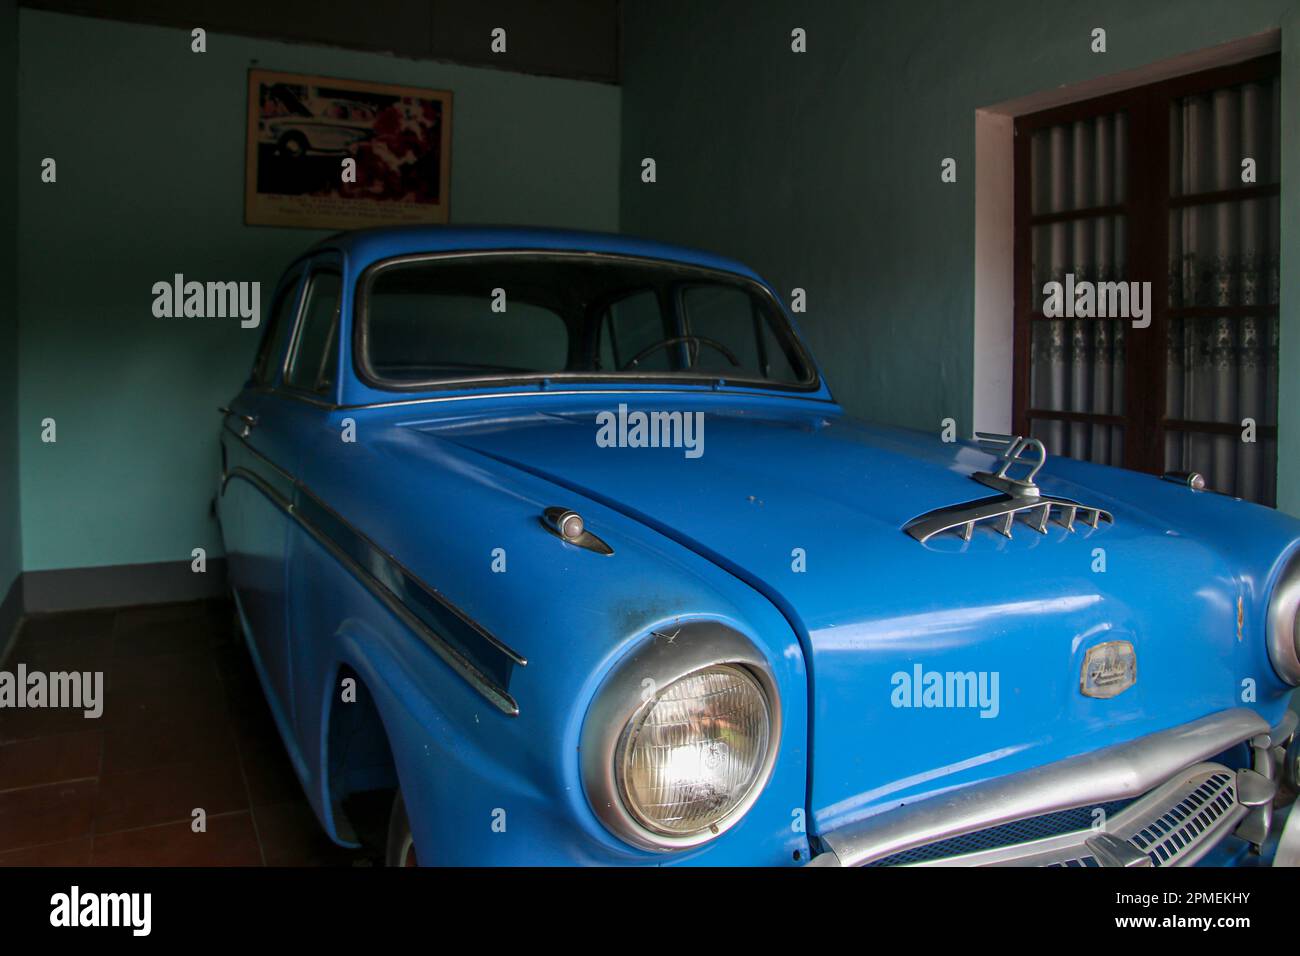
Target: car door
x=257 y=491
x=310 y=386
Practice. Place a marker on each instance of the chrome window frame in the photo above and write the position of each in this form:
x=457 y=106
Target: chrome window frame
x=314 y=269
x=275 y=370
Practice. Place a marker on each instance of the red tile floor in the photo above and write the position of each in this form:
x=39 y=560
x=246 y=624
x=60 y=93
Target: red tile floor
x=184 y=726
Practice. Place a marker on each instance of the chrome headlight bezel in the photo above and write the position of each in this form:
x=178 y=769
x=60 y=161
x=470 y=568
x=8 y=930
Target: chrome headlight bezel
x=1283 y=628
x=665 y=658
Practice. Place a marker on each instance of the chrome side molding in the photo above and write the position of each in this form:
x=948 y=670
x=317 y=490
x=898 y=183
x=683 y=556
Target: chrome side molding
x=480 y=658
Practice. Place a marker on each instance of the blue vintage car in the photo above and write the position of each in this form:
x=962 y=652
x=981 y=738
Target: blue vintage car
x=557 y=547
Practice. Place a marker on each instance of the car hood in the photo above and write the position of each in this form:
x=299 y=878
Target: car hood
x=807 y=506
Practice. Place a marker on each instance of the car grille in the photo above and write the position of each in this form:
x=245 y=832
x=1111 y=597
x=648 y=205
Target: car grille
x=1172 y=835
x=1008 y=834
x=1174 y=825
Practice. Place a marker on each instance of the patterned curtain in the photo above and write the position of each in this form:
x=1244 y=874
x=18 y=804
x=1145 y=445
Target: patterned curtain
x=1222 y=366
x=1221 y=356
x=1078 y=364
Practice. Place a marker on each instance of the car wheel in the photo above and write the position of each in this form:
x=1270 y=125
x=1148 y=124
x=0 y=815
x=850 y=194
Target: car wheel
x=292 y=145
x=401 y=843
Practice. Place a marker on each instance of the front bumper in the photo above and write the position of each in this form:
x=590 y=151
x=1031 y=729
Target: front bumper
x=1155 y=801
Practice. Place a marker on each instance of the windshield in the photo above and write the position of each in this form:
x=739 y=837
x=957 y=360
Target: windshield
x=491 y=317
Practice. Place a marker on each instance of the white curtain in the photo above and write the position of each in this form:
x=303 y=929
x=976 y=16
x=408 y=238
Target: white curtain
x=1078 y=364
x=1219 y=367
x=1223 y=368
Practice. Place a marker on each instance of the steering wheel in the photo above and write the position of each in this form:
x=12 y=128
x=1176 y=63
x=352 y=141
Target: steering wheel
x=698 y=340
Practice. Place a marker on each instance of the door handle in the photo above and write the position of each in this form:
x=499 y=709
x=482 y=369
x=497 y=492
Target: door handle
x=250 y=421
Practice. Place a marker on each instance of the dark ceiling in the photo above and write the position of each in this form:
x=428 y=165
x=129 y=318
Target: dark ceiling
x=570 y=38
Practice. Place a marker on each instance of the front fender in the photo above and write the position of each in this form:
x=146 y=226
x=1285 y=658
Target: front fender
x=486 y=788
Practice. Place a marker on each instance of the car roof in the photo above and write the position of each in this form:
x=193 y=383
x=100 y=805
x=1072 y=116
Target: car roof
x=364 y=246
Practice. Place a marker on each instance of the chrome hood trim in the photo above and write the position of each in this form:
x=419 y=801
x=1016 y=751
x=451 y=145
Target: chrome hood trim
x=1021 y=496
x=1111 y=773
x=1002 y=512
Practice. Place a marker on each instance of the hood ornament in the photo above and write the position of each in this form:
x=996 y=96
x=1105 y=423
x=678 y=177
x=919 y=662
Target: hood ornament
x=1020 y=496
x=1014 y=452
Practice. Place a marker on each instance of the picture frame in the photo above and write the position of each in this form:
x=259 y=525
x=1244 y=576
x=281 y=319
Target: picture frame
x=302 y=130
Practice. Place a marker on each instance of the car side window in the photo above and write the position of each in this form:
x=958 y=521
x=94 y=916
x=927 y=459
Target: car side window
x=273 y=340
x=312 y=365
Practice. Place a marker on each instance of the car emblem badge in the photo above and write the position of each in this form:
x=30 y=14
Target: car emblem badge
x=1108 y=669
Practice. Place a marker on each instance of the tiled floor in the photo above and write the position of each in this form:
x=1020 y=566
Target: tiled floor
x=184 y=726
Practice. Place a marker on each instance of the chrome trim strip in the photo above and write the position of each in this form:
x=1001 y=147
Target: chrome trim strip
x=664 y=659
x=243 y=457
x=483 y=660
x=258 y=482
x=690 y=392
x=311 y=508
x=295 y=395
x=1122 y=770
x=481 y=682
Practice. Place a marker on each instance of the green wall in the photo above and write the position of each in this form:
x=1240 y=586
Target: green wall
x=149 y=141
x=10 y=536
x=821 y=170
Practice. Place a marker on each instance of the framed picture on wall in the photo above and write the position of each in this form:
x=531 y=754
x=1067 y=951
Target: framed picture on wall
x=325 y=153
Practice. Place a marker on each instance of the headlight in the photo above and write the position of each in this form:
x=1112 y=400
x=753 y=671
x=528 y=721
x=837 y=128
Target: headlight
x=694 y=752
x=681 y=738
x=1284 y=623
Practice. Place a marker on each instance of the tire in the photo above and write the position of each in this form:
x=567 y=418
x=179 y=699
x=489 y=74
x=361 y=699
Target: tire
x=401 y=843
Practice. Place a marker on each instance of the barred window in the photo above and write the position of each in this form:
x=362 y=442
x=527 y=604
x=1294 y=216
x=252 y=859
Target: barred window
x=1175 y=184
